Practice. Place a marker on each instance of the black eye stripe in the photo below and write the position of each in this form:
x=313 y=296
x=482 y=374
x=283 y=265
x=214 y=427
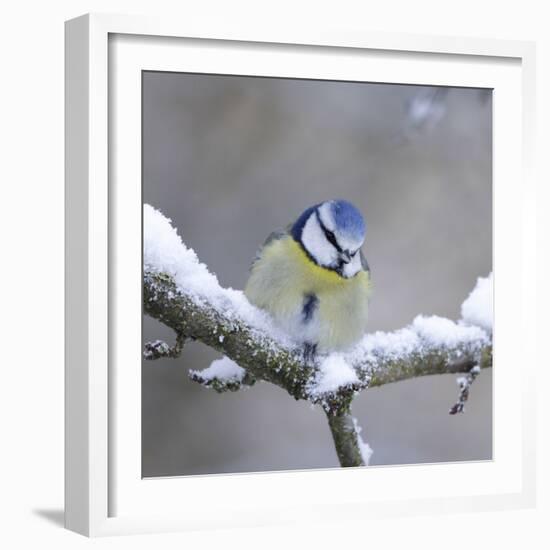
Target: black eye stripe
x=331 y=238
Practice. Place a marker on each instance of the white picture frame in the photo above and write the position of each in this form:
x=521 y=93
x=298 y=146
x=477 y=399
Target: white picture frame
x=104 y=490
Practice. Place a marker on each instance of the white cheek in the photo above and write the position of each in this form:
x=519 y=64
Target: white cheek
x=353 y=267
x=316 y=243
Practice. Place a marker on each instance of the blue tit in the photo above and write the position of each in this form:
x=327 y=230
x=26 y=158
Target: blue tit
x=313 y=278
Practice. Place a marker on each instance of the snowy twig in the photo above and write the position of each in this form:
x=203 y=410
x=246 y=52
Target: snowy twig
x=223 y=375
x=220 y=384
x=159 y=349
x=464 y=383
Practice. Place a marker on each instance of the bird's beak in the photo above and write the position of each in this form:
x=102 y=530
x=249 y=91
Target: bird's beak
x=345 y=257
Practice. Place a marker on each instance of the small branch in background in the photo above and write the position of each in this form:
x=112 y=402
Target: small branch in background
x=464 y=383
x=159 y=349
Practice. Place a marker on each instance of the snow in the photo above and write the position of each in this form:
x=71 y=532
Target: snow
x=164 y=252
x=392 y=345
x=423 y=335
x=427 y=333
x=223 y=369
x=441 y=332
x=477 y=309
x=334 y=372
x=364 y=447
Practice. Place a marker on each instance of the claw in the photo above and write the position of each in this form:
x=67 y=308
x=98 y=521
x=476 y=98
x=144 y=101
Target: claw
x=309 y=352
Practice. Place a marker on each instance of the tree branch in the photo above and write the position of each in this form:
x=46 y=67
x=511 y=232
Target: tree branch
x=269 y=360
x=227 y=382
x=346 y=439
x=249 y=347
x=159 y=349
x=181 y=293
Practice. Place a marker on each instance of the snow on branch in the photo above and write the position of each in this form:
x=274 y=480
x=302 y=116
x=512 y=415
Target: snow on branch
x=180 y=292
x=223 y=375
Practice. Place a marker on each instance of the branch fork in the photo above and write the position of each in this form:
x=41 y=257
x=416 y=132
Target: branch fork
x=263 y=358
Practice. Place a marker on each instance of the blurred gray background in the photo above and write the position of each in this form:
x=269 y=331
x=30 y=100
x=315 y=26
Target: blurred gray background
x=229 y=159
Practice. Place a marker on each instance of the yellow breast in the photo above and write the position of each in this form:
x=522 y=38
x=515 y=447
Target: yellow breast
x=284 y=275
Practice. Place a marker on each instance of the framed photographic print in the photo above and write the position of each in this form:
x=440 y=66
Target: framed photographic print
x=291 y=274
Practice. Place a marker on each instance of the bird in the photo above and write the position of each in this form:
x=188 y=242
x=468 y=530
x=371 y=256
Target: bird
x=314 y=280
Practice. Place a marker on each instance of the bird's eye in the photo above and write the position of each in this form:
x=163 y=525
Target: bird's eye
x=331 y=238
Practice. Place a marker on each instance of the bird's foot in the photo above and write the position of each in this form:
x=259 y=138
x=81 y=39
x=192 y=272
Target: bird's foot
x=310 y=351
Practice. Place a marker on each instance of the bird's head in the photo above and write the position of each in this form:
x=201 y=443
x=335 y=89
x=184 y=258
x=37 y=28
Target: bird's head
x=332 y=233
